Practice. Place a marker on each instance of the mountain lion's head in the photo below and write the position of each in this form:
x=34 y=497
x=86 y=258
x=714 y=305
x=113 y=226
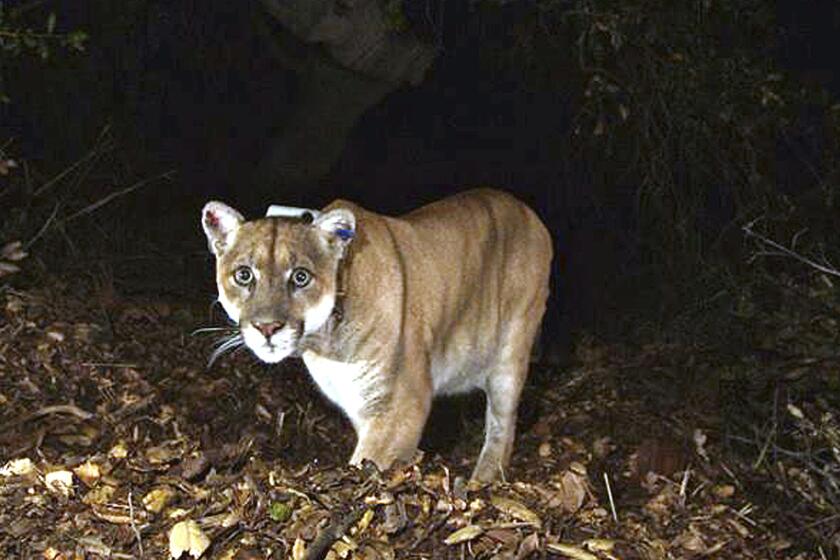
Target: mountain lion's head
x=277 y=277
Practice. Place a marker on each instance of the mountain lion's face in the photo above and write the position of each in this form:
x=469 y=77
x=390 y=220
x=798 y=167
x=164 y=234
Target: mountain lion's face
x=276 y=277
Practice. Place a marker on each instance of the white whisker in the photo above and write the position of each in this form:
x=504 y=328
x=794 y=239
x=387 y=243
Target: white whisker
x=224 y=345
x=213 y=329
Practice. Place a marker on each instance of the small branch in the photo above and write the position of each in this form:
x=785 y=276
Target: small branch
x=430 y=528
x=70 y=409
x=134 y=524
x=338 y=526
x=32 y=34
x=684 y=485
x=781 y=250
x=62 y=409
x=610 y=496
x=43 y=227
x=95 y=152
x=105 y=200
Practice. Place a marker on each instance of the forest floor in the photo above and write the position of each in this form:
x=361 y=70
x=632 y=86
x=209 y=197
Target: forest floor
x=116 y=441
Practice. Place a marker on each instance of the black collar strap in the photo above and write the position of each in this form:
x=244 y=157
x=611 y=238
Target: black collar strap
x=340 y=289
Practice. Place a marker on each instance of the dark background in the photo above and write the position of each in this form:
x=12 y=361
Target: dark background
x=194 y=87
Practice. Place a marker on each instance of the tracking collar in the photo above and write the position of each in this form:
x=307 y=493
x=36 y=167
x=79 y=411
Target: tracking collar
x=278 y=211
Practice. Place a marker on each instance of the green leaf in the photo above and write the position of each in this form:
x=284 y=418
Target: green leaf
x=51 y=23
x=279 y=512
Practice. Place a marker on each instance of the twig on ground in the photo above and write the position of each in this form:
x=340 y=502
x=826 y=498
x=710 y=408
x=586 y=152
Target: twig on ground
x=71 y=409
x=610 y=496
x=117 y=365
x=337 y=527
x=134 y=528
x=430 y=528
x=744 y=512
x=771 y=433
x=684 y=485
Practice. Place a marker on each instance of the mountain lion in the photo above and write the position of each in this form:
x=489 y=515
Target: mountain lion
x=388 y=312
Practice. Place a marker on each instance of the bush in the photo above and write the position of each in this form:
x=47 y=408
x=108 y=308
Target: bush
x=20 y=36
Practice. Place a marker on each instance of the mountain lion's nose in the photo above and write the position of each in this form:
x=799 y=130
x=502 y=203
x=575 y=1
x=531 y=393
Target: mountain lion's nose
x=269 y=329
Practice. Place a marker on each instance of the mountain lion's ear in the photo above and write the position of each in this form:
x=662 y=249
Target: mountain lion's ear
x=219 y=221
x=340 y=224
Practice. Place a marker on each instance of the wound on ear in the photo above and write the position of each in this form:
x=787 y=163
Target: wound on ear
x=212 y=219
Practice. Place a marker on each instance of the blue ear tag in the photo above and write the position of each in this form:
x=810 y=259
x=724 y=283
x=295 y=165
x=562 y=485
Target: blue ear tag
x=345 y=234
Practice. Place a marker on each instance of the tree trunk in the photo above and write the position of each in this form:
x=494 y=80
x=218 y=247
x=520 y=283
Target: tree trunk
x=363 y=58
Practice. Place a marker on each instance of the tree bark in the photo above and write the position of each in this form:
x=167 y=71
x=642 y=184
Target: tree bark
x=361 y=60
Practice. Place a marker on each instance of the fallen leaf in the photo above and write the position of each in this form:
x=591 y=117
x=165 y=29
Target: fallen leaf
x=94 y=545
x=187 y=536
x=571 y=492
x=342 y=549
x=795 y=411
x=119 y=451
x=506 y=537
x=395 y=518
x=99 y=495
x=516 y=510
x=279 y=512
x=298 y=549
x=724 y=491
x=13 y=251
x=528 y=546
x=700 y=440
x=17 y=467
x=158 y=498
x=162 y=454
x=6 y=165
x=89 y=473
x=7 y=268
x=234 y=552
x=464 y=534
x=194 y=466
x=662 y=456
x=60 y=482
x=571 y=551
x=55 y=335
x=364 y=522
x=602 y=447
x=113 y=514
x=599 y=545
x=691 y=542
x=743 y=531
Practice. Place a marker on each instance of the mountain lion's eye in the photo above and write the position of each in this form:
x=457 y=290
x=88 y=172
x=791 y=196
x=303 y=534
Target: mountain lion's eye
x=301 y=277
x=243 y=276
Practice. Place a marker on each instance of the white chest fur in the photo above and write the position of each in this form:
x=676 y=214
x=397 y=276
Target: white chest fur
x=350 y=385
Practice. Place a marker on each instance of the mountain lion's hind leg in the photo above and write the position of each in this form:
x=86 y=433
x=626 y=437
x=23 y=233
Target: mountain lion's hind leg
x=503 y=389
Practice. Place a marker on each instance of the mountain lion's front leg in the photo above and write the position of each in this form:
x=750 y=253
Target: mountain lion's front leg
x=388 y=438
x=394 y=433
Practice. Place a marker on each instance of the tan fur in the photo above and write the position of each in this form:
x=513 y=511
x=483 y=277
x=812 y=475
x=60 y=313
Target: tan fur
x=443 y=300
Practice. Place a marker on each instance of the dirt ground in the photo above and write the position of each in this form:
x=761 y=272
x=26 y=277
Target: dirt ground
x=116 y=441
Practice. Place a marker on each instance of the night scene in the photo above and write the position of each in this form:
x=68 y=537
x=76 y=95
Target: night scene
x=419 y=279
